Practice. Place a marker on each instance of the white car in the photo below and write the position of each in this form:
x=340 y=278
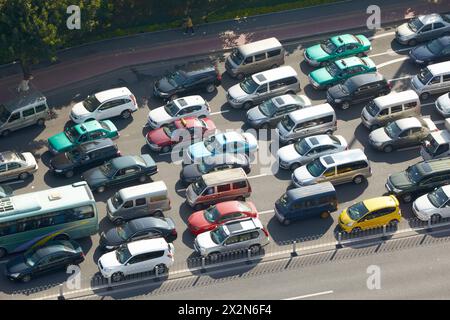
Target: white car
x=434 y=205
x=104 y=105
x=190 y=106
x=137 y=257
x=307 y=149
x=442 y=105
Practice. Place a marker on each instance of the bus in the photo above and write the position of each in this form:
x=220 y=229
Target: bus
x=30 y=220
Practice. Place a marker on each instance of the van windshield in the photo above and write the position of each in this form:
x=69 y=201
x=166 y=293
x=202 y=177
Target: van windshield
x=315 y=168
x=357 y=211
x=117 y=201
x=249 y=85
x=430 y=145
x=199 y=186
x=392 y=130
x=237 y=57
x=4 y=114
x=424 y=75
x=287 y=123
x=219 y=235
x=372 y=108
x=91 y=103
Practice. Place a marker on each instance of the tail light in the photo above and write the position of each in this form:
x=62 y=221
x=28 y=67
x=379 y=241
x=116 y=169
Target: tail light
x=390 y=85
x=265 y=232
x=170 y=255
x=119 y=153
x=134 y=99
x=174 y=232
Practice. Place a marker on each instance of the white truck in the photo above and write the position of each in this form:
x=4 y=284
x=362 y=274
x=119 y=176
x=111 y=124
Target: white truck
x=437 y=144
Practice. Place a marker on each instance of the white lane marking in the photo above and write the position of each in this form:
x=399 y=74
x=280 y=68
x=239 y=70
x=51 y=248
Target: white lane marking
x=266 y=212
x=381 y=65
x=439 y=122
x=311 y=295
x=219 y=112
x=258 y=176
x=381 y=35
x=400 y=78
x=389 y=52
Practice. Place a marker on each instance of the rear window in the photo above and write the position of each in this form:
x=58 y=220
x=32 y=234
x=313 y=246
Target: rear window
x=274 y=53
x=240 y=185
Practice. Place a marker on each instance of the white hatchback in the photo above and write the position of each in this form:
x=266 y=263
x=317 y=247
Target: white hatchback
x=137 y=257
x=190 y=106
x=104 y=105
x=434 y=205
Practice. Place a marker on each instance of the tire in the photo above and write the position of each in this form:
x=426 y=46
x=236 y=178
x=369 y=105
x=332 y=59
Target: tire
x=101 y=189
x=6 y=133
x=24 y=175
x=290 y=92
x=41 y=122
x=424 y=96
x=162 y=268
x=158 y=214
x=116 y=277
x=247 y=105
x=329 y=132
x=91 y=119
x=210 y=88
x=118 y=221
x=407 y=198
x=26 y=278
x=69 y=174
x=255 y=248
x=325 y=215
x=142 y=179
x=294 y=166
x=166 y=149
x=358 y=179
x=345 y=105
x=3 y=252
x=125 y=114
x=388 y=148
x=412 y=42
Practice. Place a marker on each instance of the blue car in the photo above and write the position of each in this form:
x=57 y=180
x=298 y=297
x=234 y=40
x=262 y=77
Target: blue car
x=228 y=142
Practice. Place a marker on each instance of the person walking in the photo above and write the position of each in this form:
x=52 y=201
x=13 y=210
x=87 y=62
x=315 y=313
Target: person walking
x=189 y=26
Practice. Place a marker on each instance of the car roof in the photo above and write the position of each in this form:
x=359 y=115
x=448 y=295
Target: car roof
x=274 y=74
x=156 y=188
x=344 y=39
x=8 y=156
x=287 y=99
x=147 y=245
x=311 y=112
x=379 y=203
x=320 y=139
x=257 y=46
x=230 y=136
x=147 y=222
x=189 y=101
x=436 y=165
x=441 y=136
x=439 y=68
x=31 y=97
x=238 y=226
x=96 y=144
x=365 y=78
x=445 y=40
x=343 y=157
x=397 y=97
x=112 y=93
x=88 y=126
x=196 y=68
x=123 y=161
x=310 y=191
x=349 y=62
x=430 y=18
x=231 y=206
x=407 y=123
x=220 y=158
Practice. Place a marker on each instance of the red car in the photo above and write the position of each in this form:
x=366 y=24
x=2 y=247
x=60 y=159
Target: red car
x=220 y=213
x=164 y=138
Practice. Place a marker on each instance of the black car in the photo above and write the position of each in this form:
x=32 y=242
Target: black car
x=192 y=172
x=434 y=51
x=357 y=89
x=138 y=229
x=187 y=79
x=54 y=256
x=85 y=156
x=120 y=170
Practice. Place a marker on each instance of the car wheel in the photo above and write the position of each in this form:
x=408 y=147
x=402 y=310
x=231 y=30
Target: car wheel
x=345 y=105
x=162 y=268
x=69 y=174
x=24 y=175
x=407 y=198
x=388 y=148
x=424 y=96
x=116 y=277
x=158 y=214
x=242 y=198
x=358 y=179
x=166 y=149
x=329 y=132
x=101 y=189
x=393 y=224
x=6 y=133
x=325 y=215
x=41 y=122
x=142 y=179
x=294 y=166
x=412 y=42
x=356 y=230
x=3 y=252
x=255 y=248
x=25 y=278
x=125 y=114
x=210 y=88
x=240 y=76
x=247 y=105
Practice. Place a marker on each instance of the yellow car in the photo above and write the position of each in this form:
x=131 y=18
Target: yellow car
x=371 y=213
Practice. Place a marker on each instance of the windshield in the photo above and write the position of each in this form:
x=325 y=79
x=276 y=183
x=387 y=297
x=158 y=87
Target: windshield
x=425 y=75
x=72 y=134
x=212 y=214
x=302 y=147
x=332 y=69
x=212 y=144
x=4 y=114
x=237 y=57
x=415 y=24
x=177 y=78
x=328 y=46
x=430 y=145
x=199 y=186
x=287 y=123
x=169 y=129
x=107 y=169
x=372 y=108
x=32 y=257
x=91 y=103
x=268 y=108
x=249 y=85
x=413 y=174
x=171 y=108
x=73 y=155
x=438 y=197
x=123 y=254
x=392 y=130
x=435 y=46
x=315 y=168
x=218 y=235
x=357 y=211
x=124 y=232
x=117 y=201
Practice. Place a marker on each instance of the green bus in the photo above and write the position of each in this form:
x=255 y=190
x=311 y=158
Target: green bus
x=30 y=220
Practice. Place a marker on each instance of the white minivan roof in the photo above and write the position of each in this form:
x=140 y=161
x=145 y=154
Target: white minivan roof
x=395 y=98
x=311 y=112
x=343 y=157
x=259 y=46
x=439 y=68
x=154 y=189
x=274 y=74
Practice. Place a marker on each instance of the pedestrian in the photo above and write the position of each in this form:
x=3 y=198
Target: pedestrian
x=189 y=26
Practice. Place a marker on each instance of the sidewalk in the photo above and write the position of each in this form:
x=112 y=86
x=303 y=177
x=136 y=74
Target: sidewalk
x=87 y=61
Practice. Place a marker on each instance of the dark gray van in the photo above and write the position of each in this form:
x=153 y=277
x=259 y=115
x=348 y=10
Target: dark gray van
x=317 y=200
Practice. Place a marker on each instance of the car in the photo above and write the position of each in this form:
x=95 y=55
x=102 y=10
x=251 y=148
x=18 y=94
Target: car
x=370 y=213
x=434 y=51
x=104 y=105
x=209 y=219
x=357 y=89
x=401 y=133
x=194 y=77
x=270 y=112
x=245 y=234
x=442 y=105
x=138 y=229
x=308 y=149
x=84 y=132
x=185 y=130
x=137 y=257
x=340 y=70
x=190 y=106
x=83 y=157
x=55 y=255
x=419 y=179
x=194 y=171
x=228 y=142
x=16 y=165
x=433 y=206
x=337 y=47
x=423 y=28
x=120 y=170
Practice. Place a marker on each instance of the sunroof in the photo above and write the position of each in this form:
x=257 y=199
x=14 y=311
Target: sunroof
x=182 y=102
x=314 y=141
x=426 y=167
x=279 y=101
x=328 y=160
x=261 y=78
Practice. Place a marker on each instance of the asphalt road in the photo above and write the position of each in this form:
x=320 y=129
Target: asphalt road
x=392 y=62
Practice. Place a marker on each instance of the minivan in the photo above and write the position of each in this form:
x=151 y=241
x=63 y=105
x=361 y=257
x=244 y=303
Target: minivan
x=150 y=199
x=262 y=86
x=254 y=57
x=218 y=186
x=435 y=78
x=437 y=144
x=317 y=200
x=342 y=167
x=388 y=108
x=23 y=111
x=306 y=122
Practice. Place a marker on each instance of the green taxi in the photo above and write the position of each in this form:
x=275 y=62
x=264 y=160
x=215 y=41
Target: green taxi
x=84 y=132
x=337 y=47
x=340 y=70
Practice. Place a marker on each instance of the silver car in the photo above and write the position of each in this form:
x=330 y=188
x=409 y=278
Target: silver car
x=401 y=133
x=14 y=165
x=443 y=105
x=423 y=28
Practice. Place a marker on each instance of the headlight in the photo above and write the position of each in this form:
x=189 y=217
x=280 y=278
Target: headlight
x=349 y=224
x=58 y=171
x=14 y=275
x=337 y=100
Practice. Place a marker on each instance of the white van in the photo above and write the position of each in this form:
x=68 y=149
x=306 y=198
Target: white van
x=150 y=199
x=432 y=79
x=306 y=122
x=254 y=57
x=396 y=105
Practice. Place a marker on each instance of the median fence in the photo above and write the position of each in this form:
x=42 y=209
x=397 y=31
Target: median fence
x=197 y=265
